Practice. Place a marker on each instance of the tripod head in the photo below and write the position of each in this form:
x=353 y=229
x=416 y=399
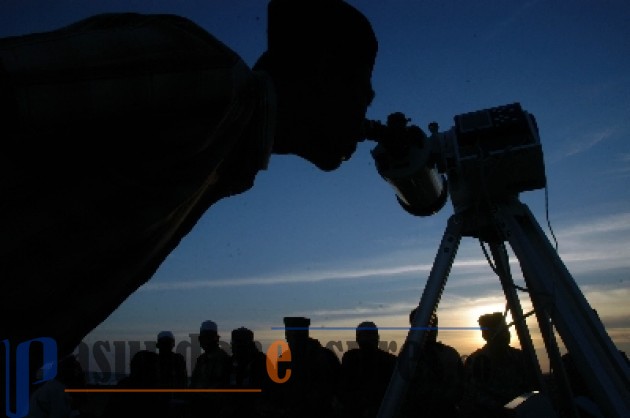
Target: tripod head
x=489 y=156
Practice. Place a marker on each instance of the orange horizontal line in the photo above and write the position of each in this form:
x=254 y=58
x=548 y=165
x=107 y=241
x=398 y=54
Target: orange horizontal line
x=162 y=390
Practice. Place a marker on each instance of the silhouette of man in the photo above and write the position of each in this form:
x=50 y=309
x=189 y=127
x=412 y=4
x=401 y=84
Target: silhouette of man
x=173 y=373
x=51 y=400
x=248 y=371
x=310 y=391
x=144 y=373
x=496 y=373
x=365 y=374
x=436 y=387
x=121 y=130
x=212 y=371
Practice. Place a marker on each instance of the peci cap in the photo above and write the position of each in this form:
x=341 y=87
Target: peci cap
x=166 y=334
x=302 y=29
x=492 y=320
x=208 y=326
x=296 y=322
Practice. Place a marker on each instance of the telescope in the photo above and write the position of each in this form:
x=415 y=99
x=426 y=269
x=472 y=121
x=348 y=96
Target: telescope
x=486 y=156
x=483 y=162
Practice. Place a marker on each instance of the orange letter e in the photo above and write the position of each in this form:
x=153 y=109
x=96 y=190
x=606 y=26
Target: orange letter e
x=278 y=352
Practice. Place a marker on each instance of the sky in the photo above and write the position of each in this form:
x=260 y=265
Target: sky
x=336 y=247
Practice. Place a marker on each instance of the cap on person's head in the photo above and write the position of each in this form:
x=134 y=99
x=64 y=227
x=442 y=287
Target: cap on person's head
x=242 y=335
x=492 y=320
x=208 y=326
x=166 y=334
x=296 y=322
x=298 y=30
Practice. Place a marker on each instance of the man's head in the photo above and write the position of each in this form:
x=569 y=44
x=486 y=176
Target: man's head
x=242 y=343
x=320 y=56
x=208 y=335
x=144 y=369
x=165 y=341
x=367 y=335
x=296 y=330
x=432 y=326
x=70 y=372
x=494 y=328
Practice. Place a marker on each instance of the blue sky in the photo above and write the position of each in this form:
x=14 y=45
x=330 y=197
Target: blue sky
x=336 y=246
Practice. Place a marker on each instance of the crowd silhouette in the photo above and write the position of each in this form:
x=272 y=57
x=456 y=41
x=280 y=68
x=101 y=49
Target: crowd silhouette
x=308 y=379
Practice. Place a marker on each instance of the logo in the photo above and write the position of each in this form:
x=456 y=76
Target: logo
x=278 y=352
x=21 y=373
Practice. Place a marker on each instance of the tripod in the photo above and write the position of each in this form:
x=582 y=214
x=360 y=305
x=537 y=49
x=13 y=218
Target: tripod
x=557 y=301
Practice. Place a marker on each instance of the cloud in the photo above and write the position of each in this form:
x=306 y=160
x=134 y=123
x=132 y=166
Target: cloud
x=611 y=304
x=594 y=250
x=347 y=316
x=623 y=165
x=606 y=224
x=589 y=140
x=308 y=277
x=598 y=244
x=290 y=277
x=590 y=248
x=586 y=246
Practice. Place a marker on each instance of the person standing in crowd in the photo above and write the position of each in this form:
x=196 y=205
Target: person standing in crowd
x=212 y=371
x=51 y=400
x=436 y=387
x=248 y=371
x=365 y=374
x=310 y=391
x=496 y=373
x=173 y=371
x=144 y=373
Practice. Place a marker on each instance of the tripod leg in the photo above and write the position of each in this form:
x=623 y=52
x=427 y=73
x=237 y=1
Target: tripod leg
x=552 y=287
x=499 y=253
x=559 y=372
x=500 y=256
x=408 y=359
